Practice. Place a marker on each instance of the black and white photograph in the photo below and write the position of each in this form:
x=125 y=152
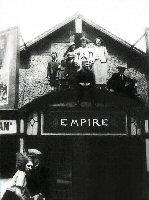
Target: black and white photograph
x=74 y=100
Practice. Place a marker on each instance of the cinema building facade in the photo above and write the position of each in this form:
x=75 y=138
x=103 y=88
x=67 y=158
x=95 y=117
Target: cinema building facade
x=92 y=152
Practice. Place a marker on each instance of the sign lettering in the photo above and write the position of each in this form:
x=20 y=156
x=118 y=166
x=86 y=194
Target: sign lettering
x=84 y=122
x=8 y=126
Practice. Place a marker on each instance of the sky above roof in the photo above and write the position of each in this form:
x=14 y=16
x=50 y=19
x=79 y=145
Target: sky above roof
x=126 y=19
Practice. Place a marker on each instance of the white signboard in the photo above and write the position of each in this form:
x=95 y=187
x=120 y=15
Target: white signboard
x=8 y=126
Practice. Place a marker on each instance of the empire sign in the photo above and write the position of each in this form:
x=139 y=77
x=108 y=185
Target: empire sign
x=84 y=122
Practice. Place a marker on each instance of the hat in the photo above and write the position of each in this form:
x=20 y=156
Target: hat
x=70 y=55
x=72 y=43
x=53 y=52
x=83 y=39
x=34 y=152
x=121 y=67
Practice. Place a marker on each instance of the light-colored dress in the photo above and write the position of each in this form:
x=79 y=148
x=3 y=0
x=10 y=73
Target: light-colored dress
x=100 y=67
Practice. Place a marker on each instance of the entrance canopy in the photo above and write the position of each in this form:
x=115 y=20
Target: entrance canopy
x=57 y=113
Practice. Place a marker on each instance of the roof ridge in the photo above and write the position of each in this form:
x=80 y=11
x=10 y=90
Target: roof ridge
x=88 y=21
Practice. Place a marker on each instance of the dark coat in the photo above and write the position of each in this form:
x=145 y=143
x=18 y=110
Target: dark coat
x=52 y=70
x=85 y=81
x=122 y=84
x=86 y=76
x=71 y=72
x=38 y=181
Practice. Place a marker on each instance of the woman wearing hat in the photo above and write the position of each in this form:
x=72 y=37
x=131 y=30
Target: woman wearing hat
x=71 y=49
x=17 y=189
x=100 y=67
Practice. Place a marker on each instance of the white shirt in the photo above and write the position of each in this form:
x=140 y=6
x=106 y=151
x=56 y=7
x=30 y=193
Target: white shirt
x=82 y=52
x=18 y=180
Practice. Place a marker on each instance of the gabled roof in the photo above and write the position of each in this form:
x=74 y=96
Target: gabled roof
x=91 y=23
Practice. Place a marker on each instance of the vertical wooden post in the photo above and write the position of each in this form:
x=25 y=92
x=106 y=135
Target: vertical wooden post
x=147 y=47
x=21 y=125
x=147 y=56
x=21 y=139
x=39 y=123
x=21 y=145
x=147 y=154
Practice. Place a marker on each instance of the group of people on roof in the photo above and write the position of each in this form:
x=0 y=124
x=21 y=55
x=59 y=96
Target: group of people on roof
x=87 y=67
x=74 y=60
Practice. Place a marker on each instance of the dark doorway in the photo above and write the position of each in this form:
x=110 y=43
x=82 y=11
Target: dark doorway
x=115 y=168
x=86 y=168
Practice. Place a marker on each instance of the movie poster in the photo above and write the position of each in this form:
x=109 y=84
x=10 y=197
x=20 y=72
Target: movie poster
x=8 y=60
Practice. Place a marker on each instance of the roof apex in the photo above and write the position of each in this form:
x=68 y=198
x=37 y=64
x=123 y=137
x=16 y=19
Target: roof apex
x=90 y=22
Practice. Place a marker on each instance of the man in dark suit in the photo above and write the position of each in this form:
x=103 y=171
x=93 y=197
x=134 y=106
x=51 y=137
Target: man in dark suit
x=70 y=70
x=52 y=70
x=38 y=181
x=120 y=83
x=85 y=82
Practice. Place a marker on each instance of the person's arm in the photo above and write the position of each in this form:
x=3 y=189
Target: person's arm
x=106 y=53
x=20 y=184
x=27 y=193
x=19 y=193
x=48 y=70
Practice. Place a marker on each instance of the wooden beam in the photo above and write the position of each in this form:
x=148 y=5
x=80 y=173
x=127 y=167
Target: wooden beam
x=21 y=125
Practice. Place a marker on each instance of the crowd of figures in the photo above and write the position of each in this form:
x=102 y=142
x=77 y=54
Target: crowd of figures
x=86 y=67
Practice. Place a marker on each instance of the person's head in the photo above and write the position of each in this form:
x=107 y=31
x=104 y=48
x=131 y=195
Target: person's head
x=99 y=41
x=85 y=64
x=35 y=156
x=83 y=42
x=121 y=69
x=70 y=56
x=54 y=55
x=29 y=166
x=23 y=162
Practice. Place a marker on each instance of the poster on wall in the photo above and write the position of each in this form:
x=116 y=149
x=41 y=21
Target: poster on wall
x=8 y=60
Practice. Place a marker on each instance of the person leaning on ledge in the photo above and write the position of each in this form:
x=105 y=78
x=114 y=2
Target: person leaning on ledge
x=120 y=83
